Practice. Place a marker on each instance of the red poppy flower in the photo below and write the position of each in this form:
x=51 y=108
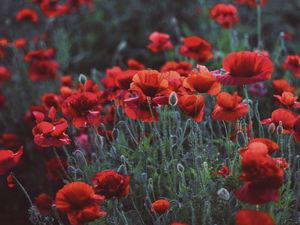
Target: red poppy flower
x=124 y=79
x=292 y=63
x=53 y=169
x=9 y=159
x=280 y=86
x=9 y=141
x=296 y=128
x=50 y=133
x=4 y=74
x=178 y=223
x=67 y=81
x=202 y=82
x=51 y=100
x=225 y=15
x=10 y=181
x=40 y=54
x=110 y=183
x=27 y=14
x=287 y=99
x=79 y=202
x=253 y=217
x=182 y=67
x=193 y=106
x=109 y=80
x=175 y=82
x=135 y=65
x=20 y=43
x=245 y=67
x=161 y=206
x=196 y=48
x=286 y=117
x=51 y=8
x=251 y=3
x=83 y=108
x=3 y=45
x=262 y=175
x=41 y=70
x=43 y=203
x=229 y=108
x=271 y=145
x=225 y=172
x=159 y=42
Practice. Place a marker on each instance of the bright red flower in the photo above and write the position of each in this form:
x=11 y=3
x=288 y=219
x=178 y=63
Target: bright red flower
x=79 y=202
x=225 y=15
x=67 y=81
x=202 y=81
x=51 y=100
x=20 y=43
x=245 y=67
x=9 y=159
x=286 y=117
x=272 y=146
x=224 y=171
x=135 y=65
x=253 y=217
x=182 y=67
x=124 y=79
x=110 y=183
x=40 y=54
x=251 y=3
x=193 y=106
x=109 y=80
x=229 y=107
x=53 y=169
x=51 y=8
x=83 y=108
x=196 y=48
x=47 y=134
x=43 y=202
x=287 y=99
x=280 y=86
x=27 y=14
x=292 y=63
x=161 y=206
x=4 y=74
x=159 y=42
x=262 y=175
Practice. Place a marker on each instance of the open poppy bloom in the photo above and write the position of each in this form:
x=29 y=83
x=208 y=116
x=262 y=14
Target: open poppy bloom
x=9 y=159
x=251 y=3
x=253 y=217
x=196 y=48
x=159 y=42
x=202 y=81
x=280 y=86
x=262 y=175
x=229 y=107
x=292 y=63
x=245 y=67
x=134 y=64
x=83 y=108
x=175 y=82
x=124 y=79
x=110 y=183
x=271 y=145
x=287 y=99
x=285 y=116
x=79 y=202
x=4 y=74
x=225 y=15
x=27 y=14
x=181 y=67
x=40 y=54
x=20 y=43
x=51 y=100
x=193 y=106
x=161 y=206
x=51 y=133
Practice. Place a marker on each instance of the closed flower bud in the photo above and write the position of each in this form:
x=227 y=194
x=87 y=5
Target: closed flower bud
x=223 y=194
x=279 y=128
x=144 y=177
x=173 y=99
x=161 y=206
x=271 y=128
x=180 y=168
x=82 y=79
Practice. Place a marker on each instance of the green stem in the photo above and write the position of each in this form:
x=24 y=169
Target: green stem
x=23 y=189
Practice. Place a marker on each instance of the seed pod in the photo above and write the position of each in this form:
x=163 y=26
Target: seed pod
x=82 y=79
x=180 y=168
x=223 y=194
x=173 y=99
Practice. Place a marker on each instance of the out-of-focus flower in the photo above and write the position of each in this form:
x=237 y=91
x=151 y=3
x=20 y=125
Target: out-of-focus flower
x=10 y=181
x=181 y=67
x=20 y=43
x=79 y=202
x=9 y=141
x=255 y=143
x=253 y=217
x=133 y=64
x=110 y=183
x=53 y=169
x=192 y=106
x=161 y=206
x=67 y=81
x=9 y=159
x=3 y=45
x=51 y=100
x=225 y=15
x=225 y=172
x=292 y=63
x=245 y=67
x=252 y=3
x=280 y=86
x=43 y=202
x=287 y=36
x=178 y=223
x=287 y=99
x=229 y=107
x=27 y=14
x=4 y=74
x=52 y=9
x=258 y=89
x=196 y=48
x=159 y=42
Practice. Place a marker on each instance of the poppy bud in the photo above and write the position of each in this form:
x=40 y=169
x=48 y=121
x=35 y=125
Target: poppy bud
x=161 y=206
x=223 y=194
x=115 y=133
x=173 y=99
x=122 y=169
x=180 y=168
x=144 y=177
x=80 y=158
x=271 y=128
x=82 y=79
x=279 y=130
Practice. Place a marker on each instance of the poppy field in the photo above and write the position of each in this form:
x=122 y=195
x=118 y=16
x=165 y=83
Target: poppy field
x=149 y=112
